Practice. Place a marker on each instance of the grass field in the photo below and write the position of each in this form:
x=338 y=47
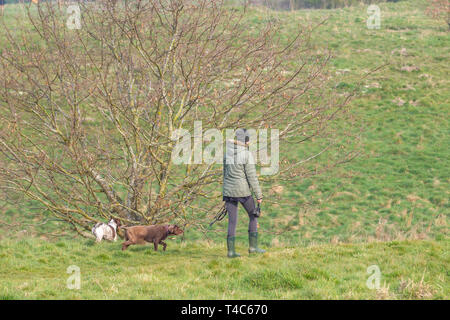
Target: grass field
x=36 y=269
x=389 y=207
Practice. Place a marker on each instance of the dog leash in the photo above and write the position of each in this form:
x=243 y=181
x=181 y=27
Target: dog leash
x=219 y=215
x=257 y=211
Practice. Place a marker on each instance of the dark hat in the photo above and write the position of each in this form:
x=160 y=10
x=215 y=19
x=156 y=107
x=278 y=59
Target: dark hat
x=242 y=135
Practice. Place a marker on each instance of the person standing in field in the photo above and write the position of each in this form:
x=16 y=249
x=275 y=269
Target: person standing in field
x=239 y=179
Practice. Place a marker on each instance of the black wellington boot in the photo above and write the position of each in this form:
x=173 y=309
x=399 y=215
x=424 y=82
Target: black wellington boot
x=253 y=243
x=230 y=245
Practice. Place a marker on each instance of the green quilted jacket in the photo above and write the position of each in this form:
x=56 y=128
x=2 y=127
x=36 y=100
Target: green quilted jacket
x=239 y=173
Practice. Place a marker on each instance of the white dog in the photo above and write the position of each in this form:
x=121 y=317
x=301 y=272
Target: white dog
x=106 y=231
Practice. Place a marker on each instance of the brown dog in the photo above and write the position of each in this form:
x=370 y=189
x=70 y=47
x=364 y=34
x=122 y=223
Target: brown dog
x=155 y=234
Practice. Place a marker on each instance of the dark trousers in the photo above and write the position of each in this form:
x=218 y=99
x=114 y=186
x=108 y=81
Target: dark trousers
x=231 y=204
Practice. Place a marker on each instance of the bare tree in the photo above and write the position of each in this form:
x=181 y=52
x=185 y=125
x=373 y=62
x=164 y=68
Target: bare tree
x=87 y=115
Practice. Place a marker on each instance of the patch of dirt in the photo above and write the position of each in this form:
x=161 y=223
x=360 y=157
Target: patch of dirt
x=410 y=68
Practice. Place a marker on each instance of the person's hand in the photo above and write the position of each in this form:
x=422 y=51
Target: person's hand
x=259 y=200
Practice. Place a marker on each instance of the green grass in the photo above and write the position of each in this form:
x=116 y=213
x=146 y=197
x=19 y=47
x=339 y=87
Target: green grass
x=36 y=269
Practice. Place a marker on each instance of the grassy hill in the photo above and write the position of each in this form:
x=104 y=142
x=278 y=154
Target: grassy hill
x=399 y=187
x=396 y=192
